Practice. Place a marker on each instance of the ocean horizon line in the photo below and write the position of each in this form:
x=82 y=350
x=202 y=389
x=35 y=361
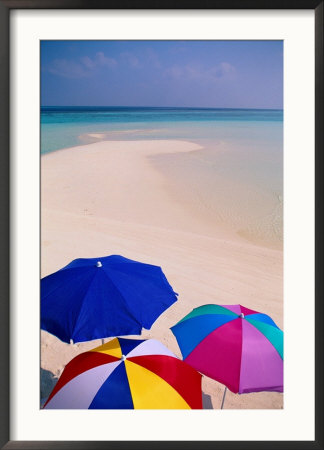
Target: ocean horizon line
x=116 y=107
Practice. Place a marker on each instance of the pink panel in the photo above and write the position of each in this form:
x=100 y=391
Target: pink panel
x=261 y=366
x=234 y=308
x=247 y=311
x=219 y=355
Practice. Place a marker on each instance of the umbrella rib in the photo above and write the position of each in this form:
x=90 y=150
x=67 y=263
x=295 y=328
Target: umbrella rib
x=145 y=369
x=131 y=262
x=266 y=337
x=263 y=336
x=54 y=290
x=82 y=303
x=241 y=353
x=84 y=296
x=162 y=277
x=207 y=334
x=123 y=299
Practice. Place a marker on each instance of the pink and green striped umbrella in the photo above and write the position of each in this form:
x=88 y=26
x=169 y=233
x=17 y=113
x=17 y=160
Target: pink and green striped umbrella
x=239 y=347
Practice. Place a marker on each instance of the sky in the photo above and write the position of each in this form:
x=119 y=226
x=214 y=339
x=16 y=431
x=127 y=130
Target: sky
x=210 y=74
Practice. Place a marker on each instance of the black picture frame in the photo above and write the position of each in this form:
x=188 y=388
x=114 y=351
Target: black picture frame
x=5 y=7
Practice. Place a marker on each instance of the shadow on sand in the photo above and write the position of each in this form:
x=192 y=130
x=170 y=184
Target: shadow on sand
x=47 y=383
x=206 y=401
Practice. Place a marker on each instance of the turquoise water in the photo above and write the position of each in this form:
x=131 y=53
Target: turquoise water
x=68 y=127
x=236 y=179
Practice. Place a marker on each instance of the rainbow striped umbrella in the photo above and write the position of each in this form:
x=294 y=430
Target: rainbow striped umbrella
x=127 y=374
x=239 y=347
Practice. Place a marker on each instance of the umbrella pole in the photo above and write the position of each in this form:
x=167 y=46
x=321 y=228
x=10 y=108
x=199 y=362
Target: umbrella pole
x=224 y=397
x=102 y=341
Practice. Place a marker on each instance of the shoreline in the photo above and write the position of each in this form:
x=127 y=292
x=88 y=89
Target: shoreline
x=111 y=199
x=161 y=160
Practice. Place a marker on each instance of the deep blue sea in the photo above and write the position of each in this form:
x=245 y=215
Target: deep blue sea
x=63 y=127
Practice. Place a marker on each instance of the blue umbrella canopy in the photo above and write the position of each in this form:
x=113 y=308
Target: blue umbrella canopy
x=95 y=298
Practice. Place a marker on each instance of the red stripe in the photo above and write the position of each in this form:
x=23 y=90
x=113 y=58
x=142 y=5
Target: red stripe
x=81 y=363
x=183 y=378
x=247 y=311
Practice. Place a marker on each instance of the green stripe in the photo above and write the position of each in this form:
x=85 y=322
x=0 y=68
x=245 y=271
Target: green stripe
x=208 y=309
x=273 y=334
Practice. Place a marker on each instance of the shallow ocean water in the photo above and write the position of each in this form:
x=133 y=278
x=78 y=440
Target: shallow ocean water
x=63 y=127
x=236 y=179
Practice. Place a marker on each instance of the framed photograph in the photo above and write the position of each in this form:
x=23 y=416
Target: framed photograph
x=163 y=169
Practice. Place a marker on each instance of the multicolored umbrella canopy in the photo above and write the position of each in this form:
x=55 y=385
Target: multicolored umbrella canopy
x=97 y=298
x=127 y=374
x=239 y=347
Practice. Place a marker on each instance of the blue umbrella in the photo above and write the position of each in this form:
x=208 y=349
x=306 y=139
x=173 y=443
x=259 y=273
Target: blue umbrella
x=96 y=298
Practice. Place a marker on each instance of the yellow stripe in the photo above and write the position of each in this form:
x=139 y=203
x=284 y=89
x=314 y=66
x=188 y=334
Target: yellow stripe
x=149 y=391
x=111 y=348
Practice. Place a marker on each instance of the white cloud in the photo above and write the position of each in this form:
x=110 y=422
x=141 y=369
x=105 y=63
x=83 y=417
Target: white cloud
x=153 y=58
x=67 y=69
x=130 y=59
x=80 y=68
x=88 y=62
x=99 y=60
x=215 y=73
x=103 y=60
x=175 y=72
x=222 y=70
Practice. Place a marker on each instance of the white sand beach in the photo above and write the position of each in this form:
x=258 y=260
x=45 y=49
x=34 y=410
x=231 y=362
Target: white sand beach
x=109 y=197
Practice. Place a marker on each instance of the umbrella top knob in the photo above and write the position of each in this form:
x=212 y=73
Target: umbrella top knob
x=242 y=316
x=99 y=264
x=123 y=358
